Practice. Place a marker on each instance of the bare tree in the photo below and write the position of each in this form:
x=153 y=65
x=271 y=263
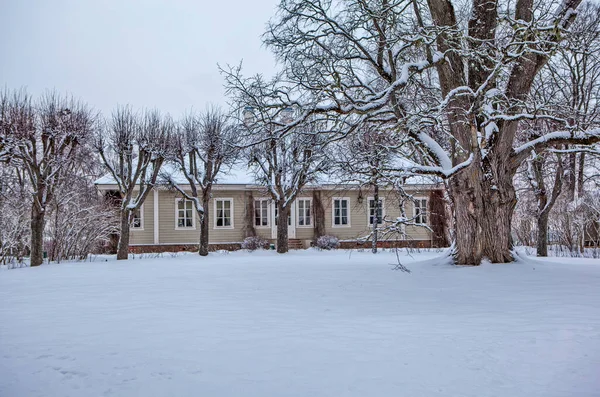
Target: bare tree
x=42 y=139
x=284 y=165
x=362 y=157
x=15 y=212
x=202 y=146
x=567 y=87
x=546 y=198
x=485 y=60
x=133 y=149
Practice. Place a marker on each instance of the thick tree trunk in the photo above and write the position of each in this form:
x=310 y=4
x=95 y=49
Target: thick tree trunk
x=319 y=216
x=249 y=230
x=204 y=222
x=438 y=219
x=483 y=215
x=468 y=244
x=375 y=218
x=123 y=246
x=497 y=227
x=282 y=229
x=37 y=236
x=542 y=235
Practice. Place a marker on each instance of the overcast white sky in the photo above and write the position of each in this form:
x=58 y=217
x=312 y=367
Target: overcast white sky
x=147 y=53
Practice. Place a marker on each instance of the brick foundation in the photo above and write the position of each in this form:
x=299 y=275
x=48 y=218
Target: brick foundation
x=143 y=249
x=387 y=244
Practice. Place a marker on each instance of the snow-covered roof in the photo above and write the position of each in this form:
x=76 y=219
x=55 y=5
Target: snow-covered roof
x=243 y=175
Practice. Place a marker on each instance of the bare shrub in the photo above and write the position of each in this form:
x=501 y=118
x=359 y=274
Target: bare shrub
x=253 y=243
x=328 y=242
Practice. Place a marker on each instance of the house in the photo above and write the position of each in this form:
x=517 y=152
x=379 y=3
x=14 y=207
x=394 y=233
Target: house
x=240 y=208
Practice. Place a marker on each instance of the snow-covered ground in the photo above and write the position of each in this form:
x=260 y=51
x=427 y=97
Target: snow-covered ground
x=303 y=324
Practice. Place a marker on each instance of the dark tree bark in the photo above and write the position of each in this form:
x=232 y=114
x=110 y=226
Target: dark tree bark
x=123 y=245
x=319 y=216
x=37 y=236
x=249 y=230
x=438 y=218
x=545 y=201
x=581 y=174
x=542 y=235
x=483 y=217
x=572 y=176
x=204 y=225
x=282 y=228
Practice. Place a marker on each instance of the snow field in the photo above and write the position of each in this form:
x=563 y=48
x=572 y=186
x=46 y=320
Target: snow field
x=304 y=323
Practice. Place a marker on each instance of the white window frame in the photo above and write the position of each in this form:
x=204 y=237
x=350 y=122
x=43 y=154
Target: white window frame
x=333 y=225
x=177 y=227
x=312 y=215
x=230 y=199
x=268 y=225
x=141 y=228
x=382 y=199
x=420 y=199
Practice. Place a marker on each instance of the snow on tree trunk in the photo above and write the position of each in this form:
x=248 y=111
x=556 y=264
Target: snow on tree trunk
x=123 y=246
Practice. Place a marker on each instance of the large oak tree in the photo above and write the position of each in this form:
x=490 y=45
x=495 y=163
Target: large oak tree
x=456 y=81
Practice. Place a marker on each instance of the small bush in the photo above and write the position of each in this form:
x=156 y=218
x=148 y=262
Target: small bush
x=328 y=242
x=254 y=243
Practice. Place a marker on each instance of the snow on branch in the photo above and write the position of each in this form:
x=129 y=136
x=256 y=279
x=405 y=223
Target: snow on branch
x=559 y=137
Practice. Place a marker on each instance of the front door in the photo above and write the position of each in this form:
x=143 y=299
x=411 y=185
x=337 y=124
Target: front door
x=291 y=221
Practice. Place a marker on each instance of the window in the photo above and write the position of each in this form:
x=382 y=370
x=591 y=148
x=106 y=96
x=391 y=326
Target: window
x=341 y=214
x=261 y=212
x=421 y=211
x=137 y=219
x=372 y=211
x=304 y=212
x=185 y=214
x=224 y=213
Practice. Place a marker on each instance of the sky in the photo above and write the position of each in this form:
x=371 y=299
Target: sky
x=146 y=53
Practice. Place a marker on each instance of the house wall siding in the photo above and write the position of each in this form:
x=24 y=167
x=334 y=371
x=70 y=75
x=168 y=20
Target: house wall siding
x=359 y=222
x=170 y=235
x=145 y=236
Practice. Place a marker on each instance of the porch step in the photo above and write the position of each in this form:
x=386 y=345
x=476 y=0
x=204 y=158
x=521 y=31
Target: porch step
x=295 y=244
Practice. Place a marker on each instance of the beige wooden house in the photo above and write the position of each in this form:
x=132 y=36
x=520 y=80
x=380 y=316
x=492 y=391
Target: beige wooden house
x=240 y=208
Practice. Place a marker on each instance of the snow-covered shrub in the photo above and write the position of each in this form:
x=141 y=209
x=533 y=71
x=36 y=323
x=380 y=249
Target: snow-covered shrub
x=254 y=242
x=328 y=242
